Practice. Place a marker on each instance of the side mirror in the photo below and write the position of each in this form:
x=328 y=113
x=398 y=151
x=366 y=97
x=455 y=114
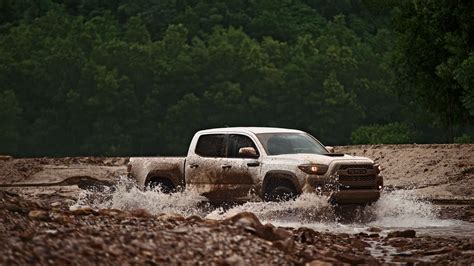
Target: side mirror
x=330 y=149
x=248 y=152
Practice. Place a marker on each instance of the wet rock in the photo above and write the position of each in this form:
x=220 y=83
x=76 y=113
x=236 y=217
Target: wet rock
x=271 y=233
x=374 y=230
x=351 y=259
x=406 y=261
x=143 y=245
x=194 y=219
x=15 y=208
x=405 y=233
x=306 y=235
x=287 y=245
x=171 y=217
x=141 y=213
x=110 y=212
x=86 y=210
x=210 y=222
x=319 y=262
x=246 y=219
x=307 y=254
x=437 y=251
x=62 y=218
x=359 y=244
x=234 y=260
x=56 y=204
x=180 y=230
x=39 y=215
x=97 y=242
x=26 y=235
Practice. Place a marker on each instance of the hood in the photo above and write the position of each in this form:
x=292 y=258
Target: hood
x=321 y=159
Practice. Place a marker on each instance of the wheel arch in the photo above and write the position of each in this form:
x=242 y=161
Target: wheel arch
x=162 y=176
x=275 y=175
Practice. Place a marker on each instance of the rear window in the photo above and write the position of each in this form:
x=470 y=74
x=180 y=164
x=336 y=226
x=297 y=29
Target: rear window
x=211 y=145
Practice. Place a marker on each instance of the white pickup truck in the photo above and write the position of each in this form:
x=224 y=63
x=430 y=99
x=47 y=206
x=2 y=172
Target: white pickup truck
x=236 y=164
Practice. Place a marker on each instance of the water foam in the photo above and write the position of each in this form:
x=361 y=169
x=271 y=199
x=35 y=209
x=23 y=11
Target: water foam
x=404 y=208
x=125 y=195
x=395 y=209
x=307 y=207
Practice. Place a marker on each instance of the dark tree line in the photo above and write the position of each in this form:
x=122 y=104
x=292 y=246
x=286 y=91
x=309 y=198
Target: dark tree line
x=140 y=77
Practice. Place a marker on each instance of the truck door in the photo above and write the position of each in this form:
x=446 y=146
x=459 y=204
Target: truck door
x=216 y=170
x=239 y=174
x=204 y=165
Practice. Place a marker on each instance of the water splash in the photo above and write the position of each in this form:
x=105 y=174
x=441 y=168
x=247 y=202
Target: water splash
x=307 y=207
x=404 y=208
x=395 y=209
x=125 y=195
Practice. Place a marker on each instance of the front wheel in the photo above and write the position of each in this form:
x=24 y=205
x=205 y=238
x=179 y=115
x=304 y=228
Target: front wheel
x=281 y=193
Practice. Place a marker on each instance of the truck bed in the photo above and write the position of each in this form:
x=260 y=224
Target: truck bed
x=144 y=168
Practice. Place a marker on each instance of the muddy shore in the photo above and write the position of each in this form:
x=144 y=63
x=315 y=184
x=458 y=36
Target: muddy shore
x=40 y=223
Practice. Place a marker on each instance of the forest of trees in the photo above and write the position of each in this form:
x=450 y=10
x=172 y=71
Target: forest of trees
x=139 y=77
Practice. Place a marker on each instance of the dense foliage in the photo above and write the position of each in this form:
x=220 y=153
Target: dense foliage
x=140 y=77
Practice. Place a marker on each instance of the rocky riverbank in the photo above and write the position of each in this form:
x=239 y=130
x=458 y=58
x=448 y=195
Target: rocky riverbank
x=47 y=232
x=41 y=222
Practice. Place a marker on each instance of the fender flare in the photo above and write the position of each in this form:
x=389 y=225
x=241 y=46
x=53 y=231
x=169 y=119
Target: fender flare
x=164 y=175
x=287 y=175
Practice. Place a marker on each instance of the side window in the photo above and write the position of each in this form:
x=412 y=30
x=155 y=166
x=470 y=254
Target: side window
x=210 y=145
x=236 y=142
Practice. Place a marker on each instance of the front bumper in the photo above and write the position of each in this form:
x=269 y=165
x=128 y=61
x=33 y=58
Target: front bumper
x=357 y=191
x=359 y=196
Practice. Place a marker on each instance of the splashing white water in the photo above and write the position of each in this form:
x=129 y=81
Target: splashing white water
x=396 y=209
x=403 y=208
x=307 y=207
x=125 y=195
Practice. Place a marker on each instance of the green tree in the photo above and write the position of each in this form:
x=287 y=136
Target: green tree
x=434 y=43
x=10 y=117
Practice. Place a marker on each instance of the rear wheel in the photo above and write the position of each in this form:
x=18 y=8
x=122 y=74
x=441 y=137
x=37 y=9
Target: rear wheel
x=164 y=185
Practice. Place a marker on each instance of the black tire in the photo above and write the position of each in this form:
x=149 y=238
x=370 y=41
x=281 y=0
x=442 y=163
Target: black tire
x=281 y=192
x=162 y=184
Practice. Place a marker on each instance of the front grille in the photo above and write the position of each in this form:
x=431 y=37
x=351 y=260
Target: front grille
x=366 y=178
x=348 y=166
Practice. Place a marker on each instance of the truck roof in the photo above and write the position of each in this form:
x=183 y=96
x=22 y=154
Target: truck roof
x=255 y=130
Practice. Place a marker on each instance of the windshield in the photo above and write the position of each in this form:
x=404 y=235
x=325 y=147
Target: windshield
x=290 y=143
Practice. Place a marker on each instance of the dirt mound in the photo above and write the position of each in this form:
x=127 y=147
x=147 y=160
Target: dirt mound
x=17 y=170
x=54 y=171
x=441 y=171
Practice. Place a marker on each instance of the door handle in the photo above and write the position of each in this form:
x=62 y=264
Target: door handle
x=253 y=164
x=193 y=165
x=226 y=166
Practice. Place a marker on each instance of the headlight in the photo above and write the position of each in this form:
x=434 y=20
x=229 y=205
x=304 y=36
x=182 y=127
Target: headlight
x=378 y=168
x=314 y=169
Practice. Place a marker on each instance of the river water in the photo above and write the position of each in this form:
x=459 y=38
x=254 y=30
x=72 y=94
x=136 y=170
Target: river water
x=395 y=210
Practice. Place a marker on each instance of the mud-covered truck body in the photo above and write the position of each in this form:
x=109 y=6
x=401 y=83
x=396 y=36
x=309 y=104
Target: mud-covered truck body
x=241 y=163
